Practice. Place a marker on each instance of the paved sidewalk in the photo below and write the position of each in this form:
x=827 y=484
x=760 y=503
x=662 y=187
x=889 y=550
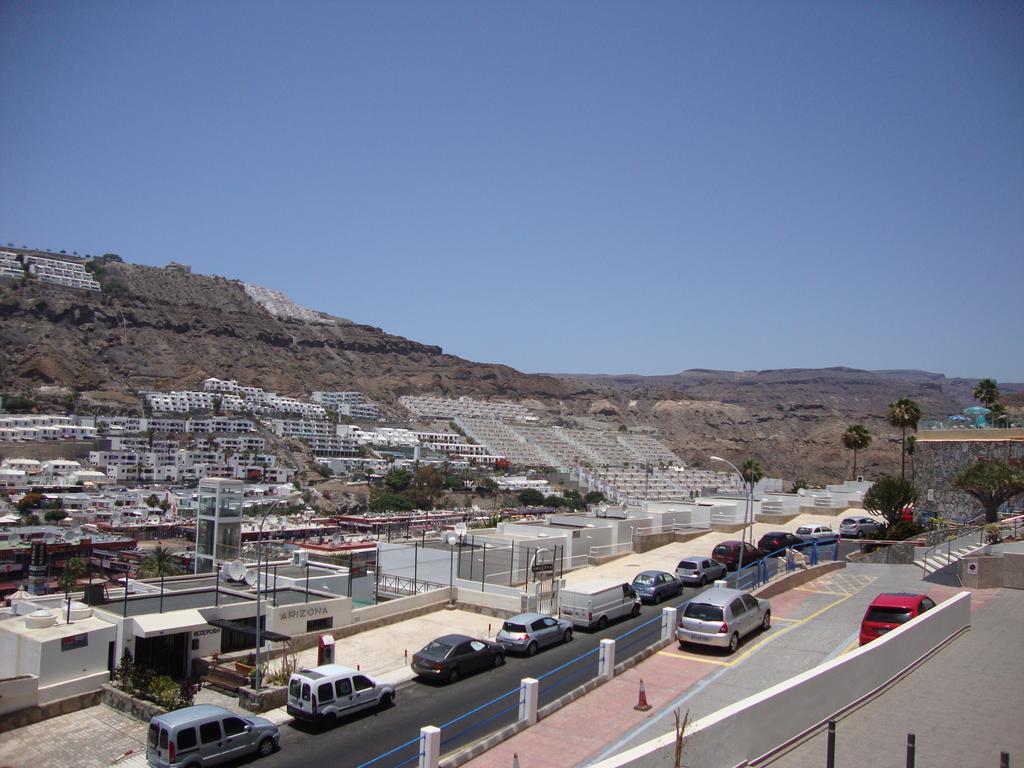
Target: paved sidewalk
x=578 y=733
x=963 y=704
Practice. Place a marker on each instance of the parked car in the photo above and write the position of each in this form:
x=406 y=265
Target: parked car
x=858 y=526
x=450 y=657
x=699 y=570
x=655 y=586
x=773 y=541
x=889 y=610
x=529 y=632
x=595 y=603
x=728 y=554
x=815 y=532
x=722 y=617
x=332 y=690
x=207 y=735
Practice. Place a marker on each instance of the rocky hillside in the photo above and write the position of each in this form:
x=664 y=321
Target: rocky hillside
x=166 y=328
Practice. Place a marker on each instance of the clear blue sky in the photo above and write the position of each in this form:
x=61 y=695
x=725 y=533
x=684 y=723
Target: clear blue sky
x=559 y=186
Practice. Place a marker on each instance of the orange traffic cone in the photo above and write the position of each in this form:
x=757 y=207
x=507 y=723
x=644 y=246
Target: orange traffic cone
x=641 y=704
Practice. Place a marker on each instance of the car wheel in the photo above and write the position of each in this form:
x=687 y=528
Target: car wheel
x=453 y=675
x=703 y=580
x=734 y=642
x=766 y=622
x=266 y=747
x=387 y=701
x=531 y=649
x=603 y=621
x=657 y=598
x=636 y=610
x=567 y=637
x=499 y=659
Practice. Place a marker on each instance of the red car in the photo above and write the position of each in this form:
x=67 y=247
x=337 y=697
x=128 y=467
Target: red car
x=889 y=610
x=728 y=554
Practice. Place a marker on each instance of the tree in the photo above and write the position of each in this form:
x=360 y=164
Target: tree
x=398 y=480
x=987 y=391
x=53 y=515
x=888 y=496
x=152 y=500
x=159 y=562
x=30 y=500
x=997 y=414
x=992 y=483
x=904 y=413
x=798 y=485
x=911 y=451
x=385 y=501
x=531 y=497
x=594 y=497
x=74 y=569
x=856 y=438
x=752 y=472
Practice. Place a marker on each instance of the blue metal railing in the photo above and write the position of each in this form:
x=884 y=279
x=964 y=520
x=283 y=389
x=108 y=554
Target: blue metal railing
x=449 y=735
x=565 y=677
x=411 y=743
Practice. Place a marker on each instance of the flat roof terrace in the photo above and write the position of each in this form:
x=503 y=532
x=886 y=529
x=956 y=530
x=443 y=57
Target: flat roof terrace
x=173 y=601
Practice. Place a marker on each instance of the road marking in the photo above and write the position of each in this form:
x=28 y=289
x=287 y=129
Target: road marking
x=693 y=657
x=779 y=618
x=820 y=591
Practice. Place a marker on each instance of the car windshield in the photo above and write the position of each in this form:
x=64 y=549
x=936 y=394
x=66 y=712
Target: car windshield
x=888 y=615
x=294 y=687
x=703 y=611
x=436 y=650
x=721 y=549
x=687 y=565
x=508 y=626
x=643 y=580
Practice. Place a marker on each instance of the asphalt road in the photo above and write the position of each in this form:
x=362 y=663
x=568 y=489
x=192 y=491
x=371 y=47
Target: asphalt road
x=358 y=739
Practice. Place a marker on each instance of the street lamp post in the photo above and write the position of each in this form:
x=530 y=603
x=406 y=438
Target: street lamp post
x=258 y=676
x=748 y=503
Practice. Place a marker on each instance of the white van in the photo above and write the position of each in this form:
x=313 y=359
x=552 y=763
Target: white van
x=595 y=603
x=332 y=690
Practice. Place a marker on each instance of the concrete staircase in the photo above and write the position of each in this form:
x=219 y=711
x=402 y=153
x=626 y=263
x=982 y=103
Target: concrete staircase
x=939 y=557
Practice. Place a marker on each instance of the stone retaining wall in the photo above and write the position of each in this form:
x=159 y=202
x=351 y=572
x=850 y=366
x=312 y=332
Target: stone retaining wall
x=124 y=702
x=265 y=699
x=30 y=715
x=937 y=461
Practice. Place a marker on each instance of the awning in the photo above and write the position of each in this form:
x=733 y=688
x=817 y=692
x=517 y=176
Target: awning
x=169 y=623
x=246 y=629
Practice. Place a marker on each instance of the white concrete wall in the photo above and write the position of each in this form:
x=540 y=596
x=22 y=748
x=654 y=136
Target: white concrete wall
x=209 y=641
x=291 y=619
x=757 y=725
x=57 y=666
x=492 y=600
x=393 y=607
x=73 y=687
x=18 y=693
x=17 y=656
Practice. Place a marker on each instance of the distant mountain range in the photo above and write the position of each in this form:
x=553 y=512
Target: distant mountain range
x=166 y=328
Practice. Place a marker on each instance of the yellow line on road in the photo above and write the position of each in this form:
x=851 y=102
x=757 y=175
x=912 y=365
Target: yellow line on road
x=850 y=647
x=820 y=591
x=779 y=618
x=701 y=659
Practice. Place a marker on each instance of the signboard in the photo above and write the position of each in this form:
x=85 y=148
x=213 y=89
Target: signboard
x=543 y=567
x=71 y=642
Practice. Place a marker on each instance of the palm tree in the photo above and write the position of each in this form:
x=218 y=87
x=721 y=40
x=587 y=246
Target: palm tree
x=904 y=413
x=856 y=438
x=911 y=450
x=752 y=472
x=997 y=413
x=74 y=569
x=987 y=391
x=159 y=562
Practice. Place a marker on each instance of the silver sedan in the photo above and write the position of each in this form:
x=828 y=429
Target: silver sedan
x=529 y=632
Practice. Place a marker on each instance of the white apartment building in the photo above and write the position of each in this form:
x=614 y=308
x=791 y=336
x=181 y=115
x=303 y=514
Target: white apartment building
x=185 y=401
x=43 y=427
x=10 y=266
x=334 y=399
x=467 y=407
x=66 y=272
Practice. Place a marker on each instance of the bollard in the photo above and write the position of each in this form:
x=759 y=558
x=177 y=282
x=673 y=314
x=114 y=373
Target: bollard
x=407 y=656
x=911 y=745
x=1004 y=760
x=606 y=659
x=430 y=746
x=529 y=688
x=830 y=748
x=668 y=624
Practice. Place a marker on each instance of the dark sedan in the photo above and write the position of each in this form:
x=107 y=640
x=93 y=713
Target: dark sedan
x=450 y=657
x=774 y=541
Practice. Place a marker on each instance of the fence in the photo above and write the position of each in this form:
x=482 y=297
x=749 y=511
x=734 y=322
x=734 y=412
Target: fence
x=781 y=562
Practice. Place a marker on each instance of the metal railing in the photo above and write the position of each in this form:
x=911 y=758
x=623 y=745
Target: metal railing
x=605 y=550
x=403 y=585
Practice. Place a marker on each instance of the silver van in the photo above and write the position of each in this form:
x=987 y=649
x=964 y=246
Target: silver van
x=207 y=735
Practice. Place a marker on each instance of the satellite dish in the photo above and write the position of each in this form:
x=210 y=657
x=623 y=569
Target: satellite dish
x=14 y=539
x=70 y=537
x=460 y=529
x=250 y=578
x=237 y=570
